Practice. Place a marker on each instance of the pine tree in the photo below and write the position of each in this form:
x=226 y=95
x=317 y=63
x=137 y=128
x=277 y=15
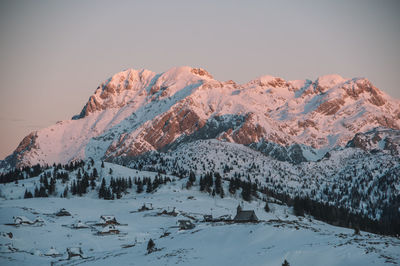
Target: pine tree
x=45 y=183
x=85 y=183
x=266 y=207
x=246 y=191
x=79 y=188
x=42 y=192
x=95 y=173
x=149 y=187
x=222 y=193
x=102 y=164
x=139 y=187
x=102 y=190
x=28 y=194
x=52 y=186
x=130 y=182
x=218 y=183
x=192 y=177
x=298 y=207
x=92 y=183
x=73 y=188
x=285 y=263
x=110 y=171
x=357 y=230
x=232 y=188
x=188 y=184
x=150 y=246
x=202 y=184
x=65 y=194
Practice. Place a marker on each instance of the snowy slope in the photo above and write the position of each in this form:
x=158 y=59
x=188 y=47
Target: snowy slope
x=360 y=181
x=279 y=236
x=137 y=111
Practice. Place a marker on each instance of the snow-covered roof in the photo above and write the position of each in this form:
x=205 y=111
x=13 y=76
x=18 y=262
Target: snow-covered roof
x=75 y=250
x=21 y=219
x=51 y=252
x=108 y=218
x=79 y=224
x=108 y=228
x=249 y=215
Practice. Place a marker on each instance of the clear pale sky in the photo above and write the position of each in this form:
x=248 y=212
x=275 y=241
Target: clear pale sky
x=53 y=54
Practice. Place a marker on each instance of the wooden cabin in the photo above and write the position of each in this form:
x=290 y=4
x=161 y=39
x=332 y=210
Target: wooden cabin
x=75 y=252
x=63 y=212
x=108 y=219
x=185 y=225
x=244 y=216
x=109 y=230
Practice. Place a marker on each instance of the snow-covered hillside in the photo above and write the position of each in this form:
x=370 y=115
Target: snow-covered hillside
x=152 y=149
x=137 y=111
x=278 y=236
x=357 y=180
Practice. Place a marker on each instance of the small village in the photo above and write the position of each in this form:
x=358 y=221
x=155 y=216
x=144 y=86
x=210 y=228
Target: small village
x=109 y=225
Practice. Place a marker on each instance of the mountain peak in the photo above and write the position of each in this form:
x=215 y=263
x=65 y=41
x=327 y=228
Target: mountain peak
x=126 y=85
x=328 y=81
x=137 y=111
x=268 y=80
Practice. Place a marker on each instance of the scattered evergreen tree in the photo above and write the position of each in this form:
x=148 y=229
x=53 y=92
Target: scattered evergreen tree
x=150 y=246
x=139 y=188
x=73 y=188
x=130 y=182
x=102 y=190
x=232 y=187
x=222 y=193
x=28 y=194
x=52 y=186
x=45 y=182
x=192 y=177
x=217 y=183
x=149 y=187
x=298 y=207
x=246 y=191
x=266 y=207
x=95 y=173
x=202 y=184
x=92 y=183
x=42 y=192
x=285 y=263
x=102 y=164
x=65 y=194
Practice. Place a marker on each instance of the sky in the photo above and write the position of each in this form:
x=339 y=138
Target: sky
x=54 y=54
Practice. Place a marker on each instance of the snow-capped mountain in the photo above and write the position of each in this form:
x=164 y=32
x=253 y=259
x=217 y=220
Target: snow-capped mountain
x=308 y=157
x=137 y=111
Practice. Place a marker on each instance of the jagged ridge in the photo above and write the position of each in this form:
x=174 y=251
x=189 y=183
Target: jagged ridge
x=137 y=111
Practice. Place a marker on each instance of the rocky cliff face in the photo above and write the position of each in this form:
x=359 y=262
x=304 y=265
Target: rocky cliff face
x=137 y=111
x=376 y=140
